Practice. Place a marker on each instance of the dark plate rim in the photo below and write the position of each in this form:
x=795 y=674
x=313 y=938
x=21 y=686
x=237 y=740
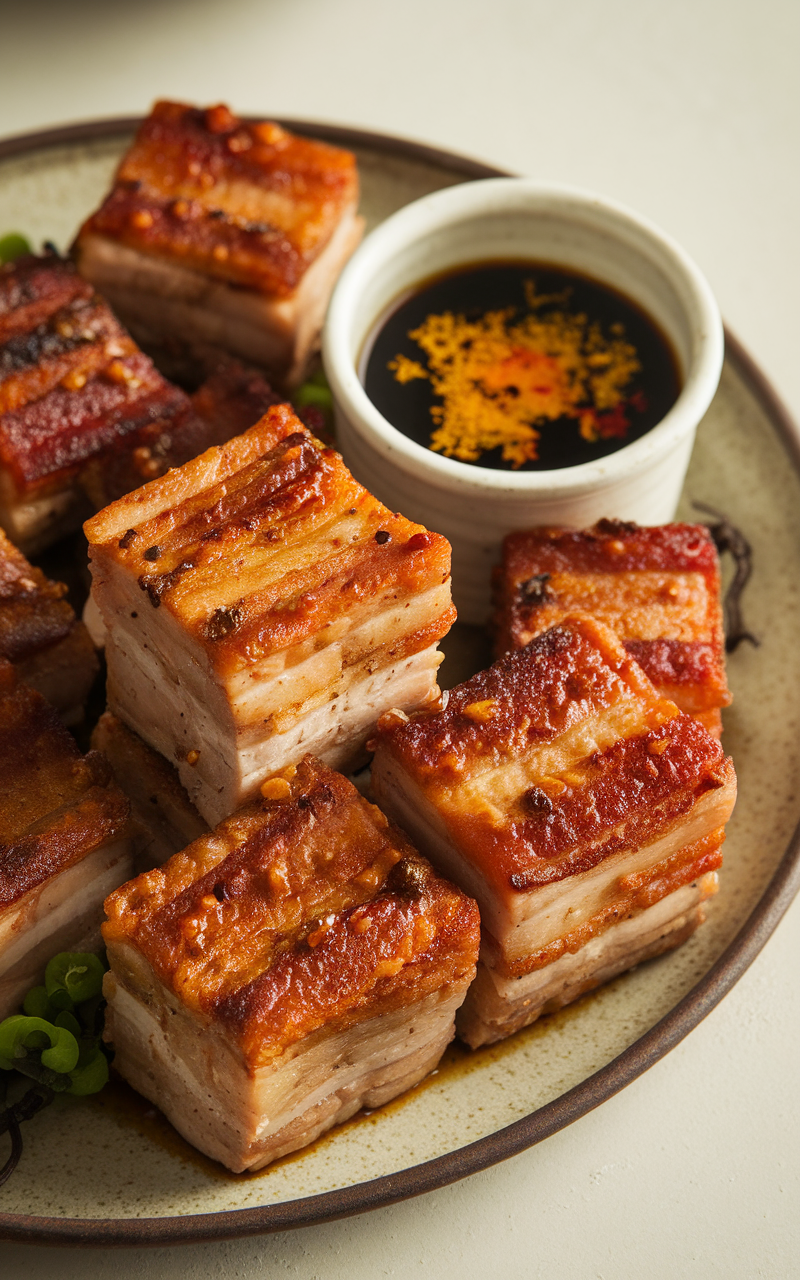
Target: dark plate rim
x=570 y=1106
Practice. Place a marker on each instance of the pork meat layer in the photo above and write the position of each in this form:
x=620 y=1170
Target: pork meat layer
x=561 y=791
x=223 y=233
x=64 y=840
x=295 y=964
x=259 y=604
x=39 y=633
x=658 y=588
x=165 y=818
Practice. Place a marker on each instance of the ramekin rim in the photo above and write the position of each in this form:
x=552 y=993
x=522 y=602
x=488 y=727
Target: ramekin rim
x=460 y=203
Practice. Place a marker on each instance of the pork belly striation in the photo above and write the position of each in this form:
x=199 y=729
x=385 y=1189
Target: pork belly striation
x=64 y=840
x=657 y=587
x=84 y=415
x=41 y=636
x=569 y=798
x=296 y=964
x=223 y=233
x=260 y=604
x=165 y=818
x=72 y=383
x=229 y=401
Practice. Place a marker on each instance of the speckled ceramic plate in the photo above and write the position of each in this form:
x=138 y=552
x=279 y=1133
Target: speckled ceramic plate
x=110 y=1170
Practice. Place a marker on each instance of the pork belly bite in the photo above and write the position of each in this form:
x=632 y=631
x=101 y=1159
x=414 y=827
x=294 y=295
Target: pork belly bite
x=72 y=385
x=229 y=401
x=41 y=636
x=64 y=840
x=657 y=587
x=84 y=415
x=298 y=963
x=224 y=234
x=259 y=604
x=582 y=810
x=164 y=816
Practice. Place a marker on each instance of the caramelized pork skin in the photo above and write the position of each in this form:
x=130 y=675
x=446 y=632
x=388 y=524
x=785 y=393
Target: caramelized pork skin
x=248 y=204
x=297 y=963
x=598 y=788
x=55 y=804
x=657 y=587
x=41 y=636
x=259 y=602
x=84 y=415
x=582 y=810
x=64 y=839
x=303 y=912
x=294 y=493
x=72 y=381
x=230 y=400
x=220 y=235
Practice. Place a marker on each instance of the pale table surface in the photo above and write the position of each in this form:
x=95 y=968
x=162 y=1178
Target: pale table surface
x=688 y=111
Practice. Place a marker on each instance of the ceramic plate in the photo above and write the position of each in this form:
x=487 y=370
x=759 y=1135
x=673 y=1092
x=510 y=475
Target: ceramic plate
x=111 y=1170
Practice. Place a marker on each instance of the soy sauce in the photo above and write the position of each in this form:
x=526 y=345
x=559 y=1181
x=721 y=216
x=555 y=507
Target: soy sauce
x=520 y=366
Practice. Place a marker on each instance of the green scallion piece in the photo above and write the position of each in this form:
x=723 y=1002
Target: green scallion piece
x=21 y=1037
x=37 y=1005
x=314 y=391
x=70 y=1022
x=13 y=246
x=90 y=1078
x=78 y=974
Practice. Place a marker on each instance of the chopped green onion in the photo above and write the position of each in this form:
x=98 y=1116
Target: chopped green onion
x=76 y=974
x=37 y=1005
x=13 y=246
x=70 y=1022
x=90 y=1078
x=314 y=391
x=55 y=1043
x=21 y=1036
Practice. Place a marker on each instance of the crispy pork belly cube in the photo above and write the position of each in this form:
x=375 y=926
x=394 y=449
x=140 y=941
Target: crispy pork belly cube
x=230 y=400
x=657 y=587
x=165 y=817
x=582 y=810
x=298 y=963
x=73 y=385
x=219 y=233
x=64 y=840
x=41 y=636
x=260 y=604
x=84 y=415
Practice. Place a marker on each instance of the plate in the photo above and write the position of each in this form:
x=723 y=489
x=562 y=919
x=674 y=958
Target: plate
x=131 y=1179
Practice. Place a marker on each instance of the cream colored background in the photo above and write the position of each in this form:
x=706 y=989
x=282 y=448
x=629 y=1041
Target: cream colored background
x=690 y=112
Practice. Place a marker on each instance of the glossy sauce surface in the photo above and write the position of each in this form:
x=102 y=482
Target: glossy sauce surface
x=519 y=366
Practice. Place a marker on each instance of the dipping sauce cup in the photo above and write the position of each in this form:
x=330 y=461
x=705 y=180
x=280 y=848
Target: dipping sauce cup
x=516 y=219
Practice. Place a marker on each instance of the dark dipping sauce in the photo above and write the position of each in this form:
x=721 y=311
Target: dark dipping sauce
x=519 y=366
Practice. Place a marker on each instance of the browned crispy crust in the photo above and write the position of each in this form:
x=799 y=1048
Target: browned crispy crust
x=40 y=634
x=55 y=804
x=231 y=399
x=637 y=788
x=80 y=403
x=227 y=403
x=303 y=911
x=645 y=582
x=72 y=381
x=34 y=615
x=275 y=485
x=252 y=205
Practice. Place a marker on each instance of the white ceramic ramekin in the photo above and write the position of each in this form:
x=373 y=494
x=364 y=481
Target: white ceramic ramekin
x=474 y=507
